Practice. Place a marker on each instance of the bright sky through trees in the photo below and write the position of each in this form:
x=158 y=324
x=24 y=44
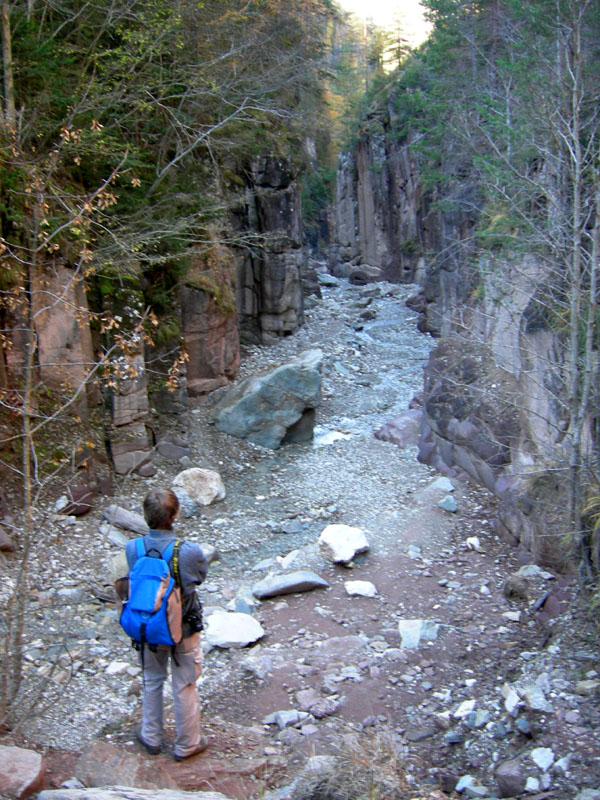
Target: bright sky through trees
x=387 y=13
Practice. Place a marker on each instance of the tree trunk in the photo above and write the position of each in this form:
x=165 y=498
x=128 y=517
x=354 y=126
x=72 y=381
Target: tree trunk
x=10 y=114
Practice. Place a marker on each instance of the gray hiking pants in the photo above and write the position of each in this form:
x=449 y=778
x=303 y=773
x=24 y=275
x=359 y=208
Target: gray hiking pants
x=186 y=704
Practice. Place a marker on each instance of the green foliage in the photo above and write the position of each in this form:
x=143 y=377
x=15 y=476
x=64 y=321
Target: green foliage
x=317 y=192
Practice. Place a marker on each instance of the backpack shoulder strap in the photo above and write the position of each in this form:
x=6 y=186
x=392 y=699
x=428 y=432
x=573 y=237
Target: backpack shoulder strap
x=140 y=547
x=175 y=562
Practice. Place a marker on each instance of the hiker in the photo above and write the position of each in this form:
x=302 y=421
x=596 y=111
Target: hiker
x=188 y=567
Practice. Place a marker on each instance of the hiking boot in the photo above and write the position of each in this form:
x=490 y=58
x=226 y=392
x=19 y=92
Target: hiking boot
x=153 y=749
x=200 y=748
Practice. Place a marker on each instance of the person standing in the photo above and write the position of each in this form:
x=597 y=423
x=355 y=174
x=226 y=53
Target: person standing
x=161 y=508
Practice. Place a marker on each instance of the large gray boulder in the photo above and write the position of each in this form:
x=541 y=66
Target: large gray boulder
x=275 y=408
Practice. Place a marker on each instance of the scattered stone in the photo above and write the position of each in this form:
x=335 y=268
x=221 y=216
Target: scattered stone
x=325 y=279
x=443 y=484
x=341 y=543
x=511 y=699
x=6 y=543
x=587 y=688
x=419 y=734
x=128 y=520
x=259 y=664
x=543 y=757
x=175 y=448
x=464 y=709
x=292 y=582
x=535 y=699
x=210 y=552
x=286 y=718
x=404 y=430
x=414 y=631
x=196 y=488
x=115 y=536
x=361 y=588
x=448 y=504
x=244 y=601
x=523 y=726
x=532 y=785
x=287 y=560
x=227 y=629
x=510 y=778
x=533 y=571
x=453 y=737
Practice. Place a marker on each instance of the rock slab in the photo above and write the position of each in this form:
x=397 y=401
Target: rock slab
x=299 y=581
x=21 y=772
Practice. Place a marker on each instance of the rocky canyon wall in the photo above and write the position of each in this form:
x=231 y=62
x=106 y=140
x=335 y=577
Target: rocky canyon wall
x=230 y=293
x=494 y=390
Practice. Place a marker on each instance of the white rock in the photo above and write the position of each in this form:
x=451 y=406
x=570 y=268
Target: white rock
x=533 y=571
x=117 y=668
x=473 y=543
x=285 y=561
x=414 y=631
x=232 y=629
x=286 y=718
x=448 y=504
x=362 y=588
x=535 y=699
x=532 y=785
x=464 y=709
x=463 y=782
x=511 y=698
x=562 y=765
x=512 y=616
x=443 y=484
x=62 y=502
x=543 y=757
x=341 y=543
x=198 y=486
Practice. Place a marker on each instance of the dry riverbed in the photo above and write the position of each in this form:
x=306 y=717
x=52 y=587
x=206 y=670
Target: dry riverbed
x=511 y=675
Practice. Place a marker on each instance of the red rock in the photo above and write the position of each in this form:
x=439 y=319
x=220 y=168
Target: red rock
x=21 y=772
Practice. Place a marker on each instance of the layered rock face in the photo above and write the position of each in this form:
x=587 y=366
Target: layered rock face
x=211 y=340
x=379 y=211
x=383 y=218
x=495 y=394
x=269 y=288
x=495 y=406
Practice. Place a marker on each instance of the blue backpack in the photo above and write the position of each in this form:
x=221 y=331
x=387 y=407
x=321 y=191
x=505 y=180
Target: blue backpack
x=152 y=611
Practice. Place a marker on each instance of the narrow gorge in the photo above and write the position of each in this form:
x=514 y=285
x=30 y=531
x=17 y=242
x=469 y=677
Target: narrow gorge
x=313 y=279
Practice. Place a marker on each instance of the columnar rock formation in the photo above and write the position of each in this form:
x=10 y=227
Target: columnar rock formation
x=495 y=395
x=269 y=289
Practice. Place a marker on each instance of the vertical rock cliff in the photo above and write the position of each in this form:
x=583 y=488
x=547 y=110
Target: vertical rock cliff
x=495 y=389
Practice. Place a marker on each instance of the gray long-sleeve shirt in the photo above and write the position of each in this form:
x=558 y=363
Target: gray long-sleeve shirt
x=193 y=565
